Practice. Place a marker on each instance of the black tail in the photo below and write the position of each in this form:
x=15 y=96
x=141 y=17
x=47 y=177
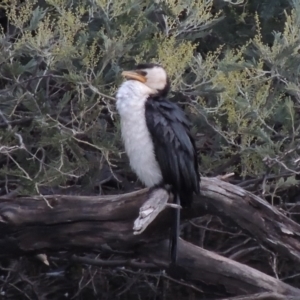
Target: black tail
x=175 y=230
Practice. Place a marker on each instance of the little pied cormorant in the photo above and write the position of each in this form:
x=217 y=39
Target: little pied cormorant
x=157 y=138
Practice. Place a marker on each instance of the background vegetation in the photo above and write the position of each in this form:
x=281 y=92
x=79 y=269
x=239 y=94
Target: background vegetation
x=234 y=67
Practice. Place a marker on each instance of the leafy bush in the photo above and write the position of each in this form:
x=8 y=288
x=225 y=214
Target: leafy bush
x=60 y=65
x=233 y=67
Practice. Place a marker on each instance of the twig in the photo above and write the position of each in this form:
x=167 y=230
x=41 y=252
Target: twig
x=113 y=263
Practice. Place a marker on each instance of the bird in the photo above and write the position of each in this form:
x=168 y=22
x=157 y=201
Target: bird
x=157 y=138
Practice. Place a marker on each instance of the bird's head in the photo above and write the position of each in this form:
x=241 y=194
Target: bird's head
x=152 y=75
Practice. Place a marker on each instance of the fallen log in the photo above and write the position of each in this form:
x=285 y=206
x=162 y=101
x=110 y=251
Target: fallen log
x=197 y=264
x=30 y=225
x=263 y=296
x=254 y=215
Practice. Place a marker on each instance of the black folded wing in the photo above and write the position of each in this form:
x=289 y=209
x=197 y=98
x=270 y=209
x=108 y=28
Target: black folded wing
x=174 y=147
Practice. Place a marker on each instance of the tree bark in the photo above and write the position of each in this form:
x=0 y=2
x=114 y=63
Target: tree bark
x=263 y=296
x=29 y=225
x=197 y=264
x=254 y=215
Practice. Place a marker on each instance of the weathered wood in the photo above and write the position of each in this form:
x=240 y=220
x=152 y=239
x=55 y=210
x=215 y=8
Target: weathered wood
x=198 y=264
x=68 y=208
x=150 y=209
x=263 y=296
x=254 y=215
x=79 y=215
x=29 y=225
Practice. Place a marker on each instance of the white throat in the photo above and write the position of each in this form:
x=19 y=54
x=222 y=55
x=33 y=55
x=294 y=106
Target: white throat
x=131 y=98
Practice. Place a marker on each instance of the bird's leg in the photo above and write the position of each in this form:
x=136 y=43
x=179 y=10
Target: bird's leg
x=175 y=230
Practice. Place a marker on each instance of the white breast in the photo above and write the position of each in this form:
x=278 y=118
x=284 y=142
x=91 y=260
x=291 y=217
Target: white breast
x=131 y=98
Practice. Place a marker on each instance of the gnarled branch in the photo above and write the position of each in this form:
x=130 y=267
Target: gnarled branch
x=29 y=225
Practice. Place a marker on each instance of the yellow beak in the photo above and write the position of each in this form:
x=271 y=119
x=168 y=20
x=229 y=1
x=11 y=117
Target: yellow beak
x=134 y=75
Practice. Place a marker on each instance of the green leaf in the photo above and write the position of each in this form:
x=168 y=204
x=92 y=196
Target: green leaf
x=37 y=15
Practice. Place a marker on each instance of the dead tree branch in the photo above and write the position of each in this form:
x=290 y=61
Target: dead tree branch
x=254 y=215
x=198 y=264
x=263 y=296
x=29 y=226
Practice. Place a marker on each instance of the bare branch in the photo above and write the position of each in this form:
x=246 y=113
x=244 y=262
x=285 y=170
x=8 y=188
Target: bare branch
x=95 y=222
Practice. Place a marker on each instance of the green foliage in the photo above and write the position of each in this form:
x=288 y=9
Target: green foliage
x=234 y=68
x=59 y=69
x=256 y=113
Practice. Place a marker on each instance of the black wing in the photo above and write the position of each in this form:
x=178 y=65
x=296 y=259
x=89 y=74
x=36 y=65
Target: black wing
x=174 y=147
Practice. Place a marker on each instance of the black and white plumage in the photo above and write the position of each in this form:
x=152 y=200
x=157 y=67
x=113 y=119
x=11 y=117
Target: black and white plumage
x=157 y=139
